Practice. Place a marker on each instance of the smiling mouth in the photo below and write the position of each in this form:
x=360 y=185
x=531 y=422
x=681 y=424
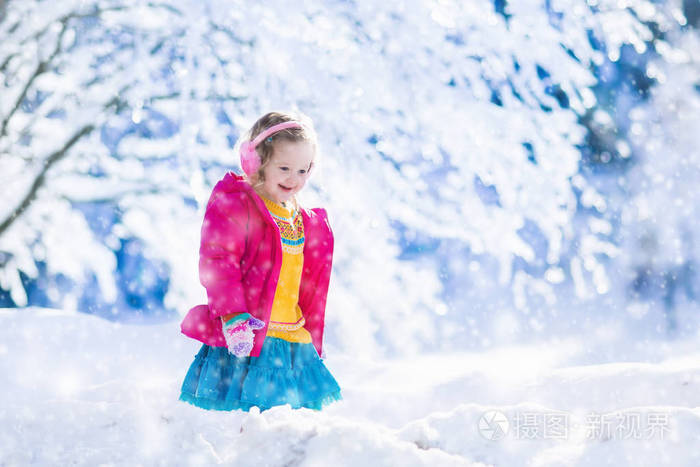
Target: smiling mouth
x=285 y=188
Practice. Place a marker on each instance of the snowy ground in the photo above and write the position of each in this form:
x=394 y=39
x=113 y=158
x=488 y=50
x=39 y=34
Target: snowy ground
x=78 y=390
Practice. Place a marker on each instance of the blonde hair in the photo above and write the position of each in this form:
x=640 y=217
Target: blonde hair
x=267 y=147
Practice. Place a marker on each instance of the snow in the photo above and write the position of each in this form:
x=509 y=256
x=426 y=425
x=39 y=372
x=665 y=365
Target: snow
x=81 y=390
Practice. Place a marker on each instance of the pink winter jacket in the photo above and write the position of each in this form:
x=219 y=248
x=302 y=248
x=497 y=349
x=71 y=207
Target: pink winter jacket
x=240 y=258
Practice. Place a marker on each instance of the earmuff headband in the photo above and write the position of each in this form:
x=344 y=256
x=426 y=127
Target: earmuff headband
x=250 y=159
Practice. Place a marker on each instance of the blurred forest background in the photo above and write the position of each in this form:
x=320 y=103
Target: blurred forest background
x=495 y=172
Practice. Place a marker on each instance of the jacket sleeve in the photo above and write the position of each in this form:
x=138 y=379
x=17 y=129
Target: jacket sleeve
x=313 y=291
x=223 y=243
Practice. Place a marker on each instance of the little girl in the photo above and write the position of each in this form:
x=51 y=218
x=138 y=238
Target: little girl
x=265 y=263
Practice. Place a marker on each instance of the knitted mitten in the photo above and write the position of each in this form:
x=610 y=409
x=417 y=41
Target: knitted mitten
x=238 y=332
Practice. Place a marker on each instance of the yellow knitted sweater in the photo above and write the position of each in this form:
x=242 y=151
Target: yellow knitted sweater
x=286 y=319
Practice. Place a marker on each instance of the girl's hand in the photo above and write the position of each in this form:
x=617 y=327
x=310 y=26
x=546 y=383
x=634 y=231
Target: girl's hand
x=238 y=333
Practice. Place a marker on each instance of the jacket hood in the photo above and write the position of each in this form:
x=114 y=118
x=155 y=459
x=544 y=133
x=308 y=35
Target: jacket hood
x=233 y=182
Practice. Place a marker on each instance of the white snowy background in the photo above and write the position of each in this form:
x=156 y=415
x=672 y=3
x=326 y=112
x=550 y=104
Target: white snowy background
x=515 y=215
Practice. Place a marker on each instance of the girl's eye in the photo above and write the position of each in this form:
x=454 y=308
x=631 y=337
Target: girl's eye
x=302 y=171
x=284 y=168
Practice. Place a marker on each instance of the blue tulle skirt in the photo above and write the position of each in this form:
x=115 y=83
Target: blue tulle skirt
x=284 y=373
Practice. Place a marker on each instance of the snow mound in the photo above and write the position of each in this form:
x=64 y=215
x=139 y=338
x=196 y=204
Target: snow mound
x=80 y=390
x=653 y=436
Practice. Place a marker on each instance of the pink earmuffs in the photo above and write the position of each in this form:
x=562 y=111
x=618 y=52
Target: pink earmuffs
x=250 y=159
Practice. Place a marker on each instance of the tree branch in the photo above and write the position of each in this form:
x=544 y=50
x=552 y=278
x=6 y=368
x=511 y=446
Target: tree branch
x=142 y=189
x=41 y=67
x=41 y=178
x=44 y=64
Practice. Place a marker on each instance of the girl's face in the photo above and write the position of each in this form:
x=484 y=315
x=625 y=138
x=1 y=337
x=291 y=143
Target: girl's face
x=287 y=171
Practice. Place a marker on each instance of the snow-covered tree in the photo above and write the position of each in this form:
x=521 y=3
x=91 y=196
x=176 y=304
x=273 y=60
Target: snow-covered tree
x=107 y=102
x=451 y=120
